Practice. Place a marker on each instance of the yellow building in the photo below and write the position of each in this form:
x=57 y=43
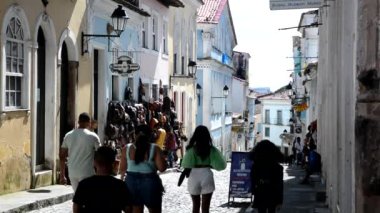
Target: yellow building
x=182 y=62
x=44 y=84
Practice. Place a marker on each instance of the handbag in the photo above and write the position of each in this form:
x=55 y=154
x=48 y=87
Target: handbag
x=184 y=173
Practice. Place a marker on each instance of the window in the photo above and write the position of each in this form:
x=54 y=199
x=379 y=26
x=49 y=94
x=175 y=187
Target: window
x=154 y=92
x=154 y=33
x=15 y=60
x=175 y=99
x=267 y=118
x=143 y=34
x=279 y=117
x=267 y=132
x=175 y=63
x=164 y=38
x=183 y=65
x=183 y=110
x=115 y=87
x=166 y=90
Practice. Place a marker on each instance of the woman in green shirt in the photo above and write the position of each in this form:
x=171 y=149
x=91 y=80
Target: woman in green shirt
x=201 y=156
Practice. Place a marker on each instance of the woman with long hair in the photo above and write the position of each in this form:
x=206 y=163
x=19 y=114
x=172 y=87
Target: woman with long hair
x=201 y=156
x=267 y=177
x=140 y=162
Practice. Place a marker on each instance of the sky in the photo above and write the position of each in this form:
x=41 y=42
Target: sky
x=257 y=33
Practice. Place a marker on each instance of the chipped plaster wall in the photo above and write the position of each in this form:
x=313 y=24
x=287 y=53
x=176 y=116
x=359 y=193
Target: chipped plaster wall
x=368 y=109
x=15 y=153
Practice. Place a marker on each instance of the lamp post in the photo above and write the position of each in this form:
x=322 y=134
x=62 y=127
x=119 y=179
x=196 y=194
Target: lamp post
x=225 y=94
x=283 y=138
x=198 y=91
x=119 y=21
x=192 y=68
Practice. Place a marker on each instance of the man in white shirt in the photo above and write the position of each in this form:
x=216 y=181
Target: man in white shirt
x=79 y=146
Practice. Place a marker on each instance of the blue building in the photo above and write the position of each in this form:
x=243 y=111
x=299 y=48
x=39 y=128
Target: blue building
x=216 y=40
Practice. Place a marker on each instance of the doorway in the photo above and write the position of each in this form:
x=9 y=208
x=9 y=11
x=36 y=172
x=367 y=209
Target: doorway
x=41 y=76
x=95 y=94
x=67 y=91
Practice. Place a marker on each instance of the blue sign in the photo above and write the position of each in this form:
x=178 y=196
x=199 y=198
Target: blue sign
x=240 y=176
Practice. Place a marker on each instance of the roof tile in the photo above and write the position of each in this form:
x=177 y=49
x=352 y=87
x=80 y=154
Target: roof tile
x=210 y=11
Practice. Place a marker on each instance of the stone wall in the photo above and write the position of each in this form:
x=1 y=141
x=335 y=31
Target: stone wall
x=367 y=120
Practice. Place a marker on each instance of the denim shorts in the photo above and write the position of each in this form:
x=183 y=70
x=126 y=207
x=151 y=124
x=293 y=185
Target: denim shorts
x=145 y=189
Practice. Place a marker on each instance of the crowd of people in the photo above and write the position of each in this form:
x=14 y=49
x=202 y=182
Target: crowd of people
x=92 y=167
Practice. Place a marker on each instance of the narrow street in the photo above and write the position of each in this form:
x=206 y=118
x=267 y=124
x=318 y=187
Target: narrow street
x=176 y=199
x=298 y=198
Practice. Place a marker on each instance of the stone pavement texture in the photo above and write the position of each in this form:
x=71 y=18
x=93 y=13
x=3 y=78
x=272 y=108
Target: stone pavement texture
x=35 y=198
x=297 y=198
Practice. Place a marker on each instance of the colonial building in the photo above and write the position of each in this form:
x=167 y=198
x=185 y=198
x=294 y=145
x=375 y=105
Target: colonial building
x=304 y=81
x=273 y=118
x=108 y=85
x=216 y=40
x=183 y=62
x=240 y=112
x=348 y=103
x=41 y=84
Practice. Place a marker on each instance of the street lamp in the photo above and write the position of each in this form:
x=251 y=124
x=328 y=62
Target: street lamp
x=199 y=88
x=119 y=21
x=192 y=68
x=225 y=90
x=225 y=94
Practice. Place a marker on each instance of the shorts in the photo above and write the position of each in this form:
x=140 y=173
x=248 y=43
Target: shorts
x=201 y=181
x=145 y=189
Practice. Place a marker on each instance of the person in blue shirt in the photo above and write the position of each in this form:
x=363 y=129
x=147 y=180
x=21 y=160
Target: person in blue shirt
x=314 y=164
x=139 y=164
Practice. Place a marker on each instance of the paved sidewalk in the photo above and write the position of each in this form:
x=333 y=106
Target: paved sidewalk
x=35 y=198
x=300 y=198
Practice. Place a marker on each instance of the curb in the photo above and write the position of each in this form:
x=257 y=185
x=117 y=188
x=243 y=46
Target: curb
x=39 y=204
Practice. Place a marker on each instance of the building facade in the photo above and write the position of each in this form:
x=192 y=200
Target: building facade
x=275 y=115
x=216 y=40
x=183 y=62
x=240 y=113
x=41 y=82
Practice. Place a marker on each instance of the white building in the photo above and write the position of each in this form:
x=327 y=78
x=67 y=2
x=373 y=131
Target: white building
x=275 y=114
x=155 y=49
x=216 y=40
x=108 y=86
x=309 y=61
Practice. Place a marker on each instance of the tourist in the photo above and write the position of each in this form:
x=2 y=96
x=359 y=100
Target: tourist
x=138 y=167
x=79 y=146
x=102 y=192
x=201 y=156
x=267 y=177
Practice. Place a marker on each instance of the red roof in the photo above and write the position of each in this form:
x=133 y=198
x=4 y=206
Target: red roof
x=211 y=11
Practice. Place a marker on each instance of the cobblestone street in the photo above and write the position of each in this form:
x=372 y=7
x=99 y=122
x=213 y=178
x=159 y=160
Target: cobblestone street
x=177 y=199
